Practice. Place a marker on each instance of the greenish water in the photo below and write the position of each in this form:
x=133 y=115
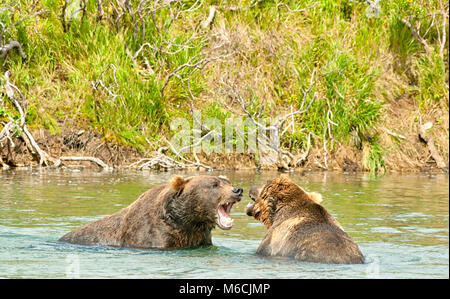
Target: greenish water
x=400 y=222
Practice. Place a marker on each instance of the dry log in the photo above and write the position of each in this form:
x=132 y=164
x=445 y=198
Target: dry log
x=88 y=159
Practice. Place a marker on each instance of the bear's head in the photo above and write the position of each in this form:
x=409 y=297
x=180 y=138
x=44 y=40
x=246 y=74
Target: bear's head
x=276 y=194
x=201 y=201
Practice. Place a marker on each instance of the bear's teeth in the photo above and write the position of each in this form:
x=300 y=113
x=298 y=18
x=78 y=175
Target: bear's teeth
x=226 y=221
x=223 y=213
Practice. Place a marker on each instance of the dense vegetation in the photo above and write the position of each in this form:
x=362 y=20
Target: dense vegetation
x=126 y=68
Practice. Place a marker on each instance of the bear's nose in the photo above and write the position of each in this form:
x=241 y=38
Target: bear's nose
x=238 y=191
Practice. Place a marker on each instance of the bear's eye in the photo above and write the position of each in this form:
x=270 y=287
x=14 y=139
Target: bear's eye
x=215 y=184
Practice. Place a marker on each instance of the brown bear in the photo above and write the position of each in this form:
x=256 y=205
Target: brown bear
x=298 y=226
x=179 y=214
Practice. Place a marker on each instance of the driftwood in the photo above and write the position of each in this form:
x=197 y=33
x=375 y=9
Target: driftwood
x=389 y=132
x=161 y=160
x=88 y=159
x=431 y=147
x=14 y=126
x=8 y=47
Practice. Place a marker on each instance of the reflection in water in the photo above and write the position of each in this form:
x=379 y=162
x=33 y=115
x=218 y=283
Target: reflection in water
x=399 y=221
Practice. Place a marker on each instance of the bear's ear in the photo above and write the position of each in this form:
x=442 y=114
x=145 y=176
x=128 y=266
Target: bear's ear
x=177 y=183
x=316 y=197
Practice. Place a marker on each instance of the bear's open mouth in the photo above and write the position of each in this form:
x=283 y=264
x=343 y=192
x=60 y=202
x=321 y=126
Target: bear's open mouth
x=223 y=213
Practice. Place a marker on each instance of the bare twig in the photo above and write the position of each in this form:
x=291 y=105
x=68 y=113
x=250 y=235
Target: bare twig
x=415 y=31
x=285 y=158
x=389 y=132
x=100 y=11
x=38 y=13
x=197 y=65
x=66 y=24
x=414 y=23
x=442 y=37
x=63 y=15
x=162 y=160
x=99 y=81
x=301 y=110
x=44 y=158
x=212 y=12
x=190 y=163
x=82 y=8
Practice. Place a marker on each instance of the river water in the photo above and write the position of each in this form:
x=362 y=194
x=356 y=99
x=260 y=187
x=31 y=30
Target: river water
x=400 y=222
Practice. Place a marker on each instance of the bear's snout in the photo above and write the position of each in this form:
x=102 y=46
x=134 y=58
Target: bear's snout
x=237 y=191
x=249 y=209
x=254 y=192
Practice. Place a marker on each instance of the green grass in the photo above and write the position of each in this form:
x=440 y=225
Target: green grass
x=347 y=49
x=373 y=156
x=65 y=64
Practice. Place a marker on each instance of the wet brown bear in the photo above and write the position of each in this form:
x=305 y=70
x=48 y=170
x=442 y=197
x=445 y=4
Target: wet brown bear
x=179 y=214
x=298 y=226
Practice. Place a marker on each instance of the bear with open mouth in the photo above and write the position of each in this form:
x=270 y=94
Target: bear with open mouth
x=298 y=226
x=179 y=214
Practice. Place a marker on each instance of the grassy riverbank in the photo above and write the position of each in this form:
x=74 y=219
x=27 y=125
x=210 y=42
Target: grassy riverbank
x=369 y=77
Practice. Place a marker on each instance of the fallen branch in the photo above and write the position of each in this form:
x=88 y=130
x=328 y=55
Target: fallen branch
x=431 y=147
x=8 y=47
x=208 y=21
x=190 y=163
x=296 y=10
x=44 y=158
x=389 y=132
x=161 y=160
x=240 y=8
x=5 y=133
x=88 y=159
x=82 y=8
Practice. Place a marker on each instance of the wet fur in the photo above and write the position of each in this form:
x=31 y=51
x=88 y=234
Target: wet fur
x=173 y=215
x=299 y=227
